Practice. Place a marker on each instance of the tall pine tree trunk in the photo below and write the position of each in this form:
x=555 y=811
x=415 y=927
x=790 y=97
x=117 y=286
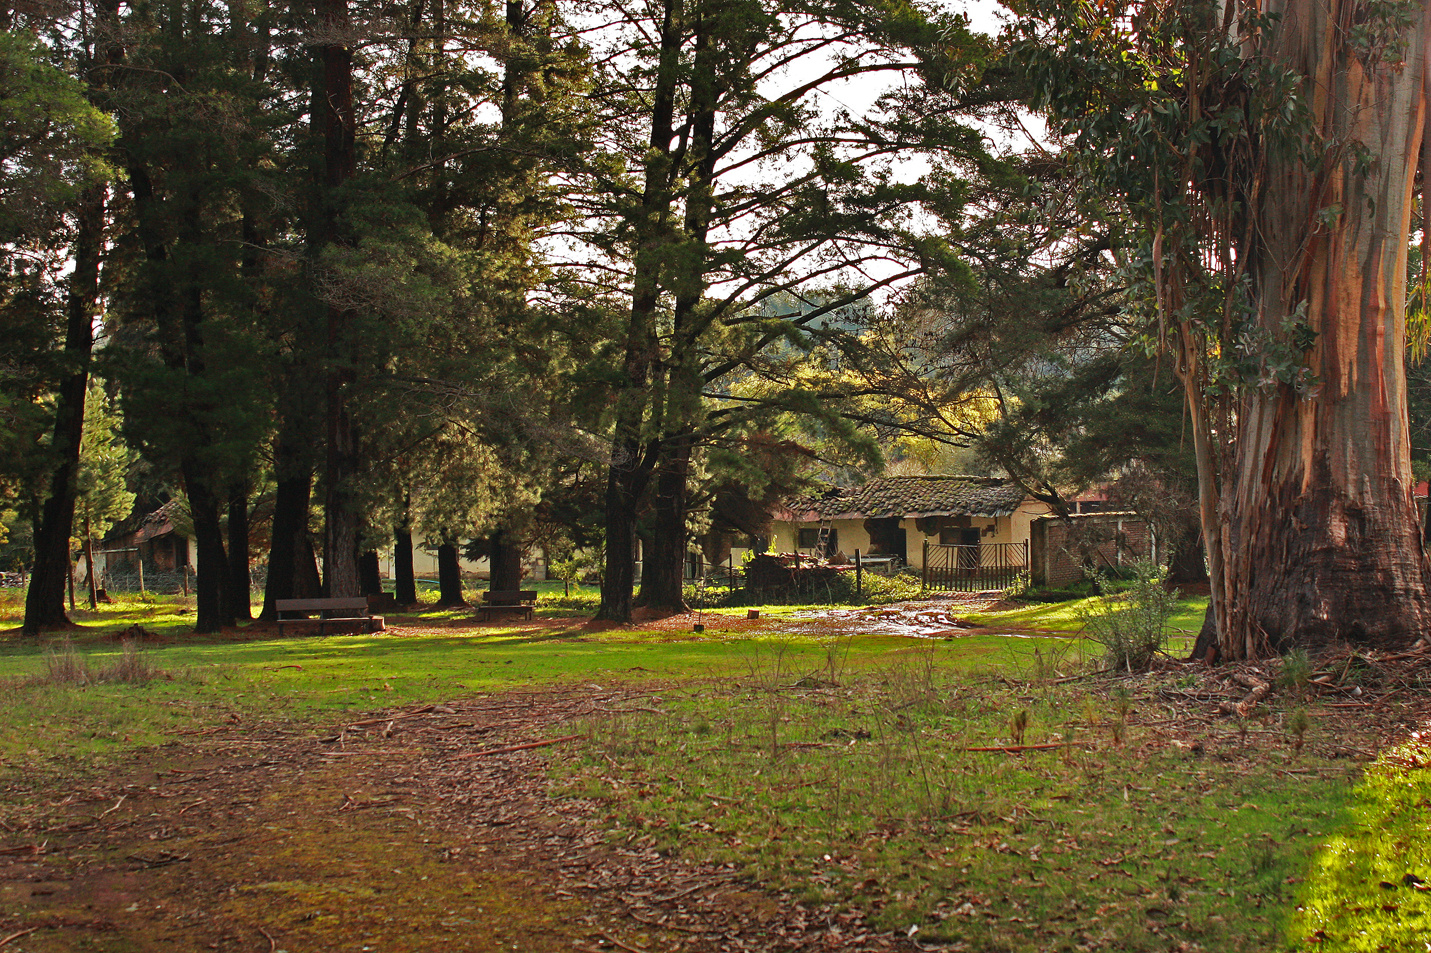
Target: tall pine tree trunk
x=625 y=482
x=663 y=571
x=404 y=580
x=337 y=119
x=505 y=562
x=240 y=580
x=45 y=598
x=213 y=607
x=289 y=537
x=1323 y=543
x=633 y=457
x=449 y=577
x=370 y=575
x=663 y=575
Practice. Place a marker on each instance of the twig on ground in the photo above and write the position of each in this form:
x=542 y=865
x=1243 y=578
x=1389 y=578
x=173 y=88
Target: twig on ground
x=690 y=890
x=1015 y=749
x=1260 y=690
x=615 y=942
x=524 y=747
x=15 y=936
x=668 y=926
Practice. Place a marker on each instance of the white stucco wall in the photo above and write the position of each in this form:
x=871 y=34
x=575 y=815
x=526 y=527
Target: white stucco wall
x=424 y=563
x=1015 y=528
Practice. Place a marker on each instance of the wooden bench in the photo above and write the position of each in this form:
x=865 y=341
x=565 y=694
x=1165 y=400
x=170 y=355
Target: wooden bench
x=517 y=600
x=346 y=610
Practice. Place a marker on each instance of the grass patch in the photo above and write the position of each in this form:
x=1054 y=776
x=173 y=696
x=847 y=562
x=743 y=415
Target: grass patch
x=1184 y=622
x=841 y=769
x=310 y=679
x=862 y=790
x=1369 y=885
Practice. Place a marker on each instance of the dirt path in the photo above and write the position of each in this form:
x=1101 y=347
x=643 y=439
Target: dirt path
x=395 y=832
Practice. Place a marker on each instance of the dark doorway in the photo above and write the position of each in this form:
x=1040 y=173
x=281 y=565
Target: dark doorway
x=887 y=538
x=969 y=549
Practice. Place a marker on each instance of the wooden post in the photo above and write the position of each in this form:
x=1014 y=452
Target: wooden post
x=140 y=554
x=924 y=568
x=859 y=575
x=89 y=561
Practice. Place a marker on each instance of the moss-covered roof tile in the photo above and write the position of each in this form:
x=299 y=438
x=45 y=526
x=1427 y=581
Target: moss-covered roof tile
x=914 y=497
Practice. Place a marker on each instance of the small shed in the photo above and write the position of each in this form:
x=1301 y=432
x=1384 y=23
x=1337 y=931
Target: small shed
x=154 y=537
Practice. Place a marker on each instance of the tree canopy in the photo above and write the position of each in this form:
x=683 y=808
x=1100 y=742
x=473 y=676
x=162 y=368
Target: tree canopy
x=429 y=267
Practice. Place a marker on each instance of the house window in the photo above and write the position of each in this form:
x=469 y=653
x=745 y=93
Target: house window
x=809 y=539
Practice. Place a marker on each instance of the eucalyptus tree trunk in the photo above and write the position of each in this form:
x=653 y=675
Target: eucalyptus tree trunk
x=1322 y=542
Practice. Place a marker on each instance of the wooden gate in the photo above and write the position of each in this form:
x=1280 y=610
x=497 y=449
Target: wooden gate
x=976 y=568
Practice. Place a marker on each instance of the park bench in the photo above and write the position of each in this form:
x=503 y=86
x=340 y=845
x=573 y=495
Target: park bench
x=340 y=611
x=517 y=600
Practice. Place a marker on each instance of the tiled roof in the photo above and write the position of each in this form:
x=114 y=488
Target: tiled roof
x=913 y=497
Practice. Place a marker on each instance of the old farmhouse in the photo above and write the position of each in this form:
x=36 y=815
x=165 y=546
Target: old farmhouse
x=957 y=530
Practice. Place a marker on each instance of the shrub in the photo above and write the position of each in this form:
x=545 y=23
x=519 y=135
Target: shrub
x=581 y=600
x=132 y=667
x=882 y=589
x=1133 y=626
x=65 y=666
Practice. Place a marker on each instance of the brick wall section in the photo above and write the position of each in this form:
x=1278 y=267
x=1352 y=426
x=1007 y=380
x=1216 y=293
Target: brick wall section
x=1058 y=549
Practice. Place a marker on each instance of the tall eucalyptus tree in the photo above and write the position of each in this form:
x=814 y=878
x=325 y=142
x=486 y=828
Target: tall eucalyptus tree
x=1265 y=155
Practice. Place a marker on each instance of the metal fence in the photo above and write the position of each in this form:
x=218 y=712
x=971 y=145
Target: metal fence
x=975 y=568
x=164 y=582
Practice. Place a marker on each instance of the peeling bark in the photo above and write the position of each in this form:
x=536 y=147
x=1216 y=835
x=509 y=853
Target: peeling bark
x=1323 y=541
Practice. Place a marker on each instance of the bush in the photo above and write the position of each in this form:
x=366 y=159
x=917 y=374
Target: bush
x=883 y=589
x=581 y=600
x=1133 y=626
x=65 y=666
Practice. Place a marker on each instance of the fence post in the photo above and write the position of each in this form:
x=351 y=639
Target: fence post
x=859 y=575
x=924 y=569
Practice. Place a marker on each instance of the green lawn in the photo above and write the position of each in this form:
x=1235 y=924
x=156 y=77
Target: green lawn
x=846 y=769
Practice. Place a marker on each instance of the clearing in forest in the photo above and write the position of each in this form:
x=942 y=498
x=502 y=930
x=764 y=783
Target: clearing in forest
x=451 y=785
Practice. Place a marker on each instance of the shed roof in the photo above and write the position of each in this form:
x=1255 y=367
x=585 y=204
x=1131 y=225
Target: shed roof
x=912 y=497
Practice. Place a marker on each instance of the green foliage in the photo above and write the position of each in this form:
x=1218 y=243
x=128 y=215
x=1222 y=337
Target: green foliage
x=51 y=139
x=102 y=489
x=1133 y=627
x=879 y=590
x=576 y=566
